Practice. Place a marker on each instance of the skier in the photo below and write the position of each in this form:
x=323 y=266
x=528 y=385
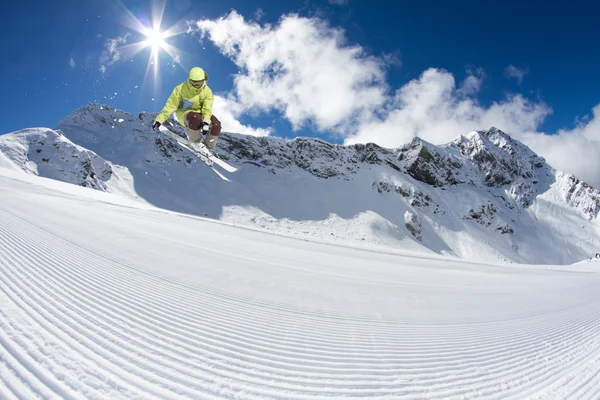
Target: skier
x=192 y=102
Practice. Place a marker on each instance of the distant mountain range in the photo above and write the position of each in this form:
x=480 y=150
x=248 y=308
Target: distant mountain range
x=483 y=196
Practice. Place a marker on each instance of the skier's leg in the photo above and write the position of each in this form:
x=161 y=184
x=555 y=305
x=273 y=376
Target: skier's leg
x=213 y=134
x=193 y=123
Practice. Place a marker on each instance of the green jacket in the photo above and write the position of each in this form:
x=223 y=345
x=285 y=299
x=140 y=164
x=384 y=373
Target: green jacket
x=186 y=98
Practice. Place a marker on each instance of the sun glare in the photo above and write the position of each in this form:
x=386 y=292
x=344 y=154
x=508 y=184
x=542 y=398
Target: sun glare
x=155 y=39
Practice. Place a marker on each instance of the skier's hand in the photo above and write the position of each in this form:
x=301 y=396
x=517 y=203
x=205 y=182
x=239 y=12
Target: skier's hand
x=205 y=127
x=156 y=125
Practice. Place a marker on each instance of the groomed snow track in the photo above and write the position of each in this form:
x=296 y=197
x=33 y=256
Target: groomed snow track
x=106 y=301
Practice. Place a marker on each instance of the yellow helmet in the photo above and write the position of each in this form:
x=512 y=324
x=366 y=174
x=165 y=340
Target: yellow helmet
x=197 y=74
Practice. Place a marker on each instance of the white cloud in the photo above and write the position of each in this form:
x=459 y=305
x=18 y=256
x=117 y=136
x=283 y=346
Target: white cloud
x=305 y=69
x=301 y=67
x=111 y=54
x=513 y=72
x=432 y=108
x=72 y=63
x=226 y=111
x=576 y=151
x=338 y=2
x=259 y=14
x=472 y=83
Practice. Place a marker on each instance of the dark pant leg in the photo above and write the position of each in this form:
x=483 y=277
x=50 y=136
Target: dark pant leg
x=193 y=123
x=213 y=135
x=215 y=124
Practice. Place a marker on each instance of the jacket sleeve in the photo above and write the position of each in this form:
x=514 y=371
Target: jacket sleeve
x=171 y=105
x=207 y=106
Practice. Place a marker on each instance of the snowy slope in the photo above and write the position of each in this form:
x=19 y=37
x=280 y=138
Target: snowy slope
x=483 y=196
x=104 y=297
x=48 y=153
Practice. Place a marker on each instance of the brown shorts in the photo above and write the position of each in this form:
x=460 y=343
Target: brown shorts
x=193 y=121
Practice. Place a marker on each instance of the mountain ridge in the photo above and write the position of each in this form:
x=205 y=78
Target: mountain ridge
x=484 y=189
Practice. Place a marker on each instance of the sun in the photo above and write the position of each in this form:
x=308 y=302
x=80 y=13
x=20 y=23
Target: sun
x=155 y=39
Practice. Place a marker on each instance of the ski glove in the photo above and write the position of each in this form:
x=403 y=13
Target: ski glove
x=205 y=127
x=156 y=125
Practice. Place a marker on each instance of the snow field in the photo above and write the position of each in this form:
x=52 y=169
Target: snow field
x=103 y=299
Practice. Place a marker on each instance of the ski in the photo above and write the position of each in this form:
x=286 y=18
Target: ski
x=203 y=157
x=201 y=150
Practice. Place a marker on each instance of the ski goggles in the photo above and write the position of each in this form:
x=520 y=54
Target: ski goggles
x=198 y=83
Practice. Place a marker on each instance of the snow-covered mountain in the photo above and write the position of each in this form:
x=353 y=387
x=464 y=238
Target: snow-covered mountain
x=484 y=196
x=48 y=153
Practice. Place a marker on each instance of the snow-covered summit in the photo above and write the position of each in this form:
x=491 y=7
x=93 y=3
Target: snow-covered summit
x=500 y=159
x=48 y=153
x=482 y=196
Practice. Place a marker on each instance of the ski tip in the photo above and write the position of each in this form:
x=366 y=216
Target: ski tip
x=223 y=177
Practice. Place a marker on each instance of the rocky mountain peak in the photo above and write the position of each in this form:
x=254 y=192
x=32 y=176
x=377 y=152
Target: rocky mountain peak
x=430 y=164
x=580 y=195
x=500 y=159
x=50 y=154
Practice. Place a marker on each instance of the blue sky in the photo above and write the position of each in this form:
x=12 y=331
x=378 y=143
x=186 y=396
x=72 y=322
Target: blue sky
x=346 y=71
